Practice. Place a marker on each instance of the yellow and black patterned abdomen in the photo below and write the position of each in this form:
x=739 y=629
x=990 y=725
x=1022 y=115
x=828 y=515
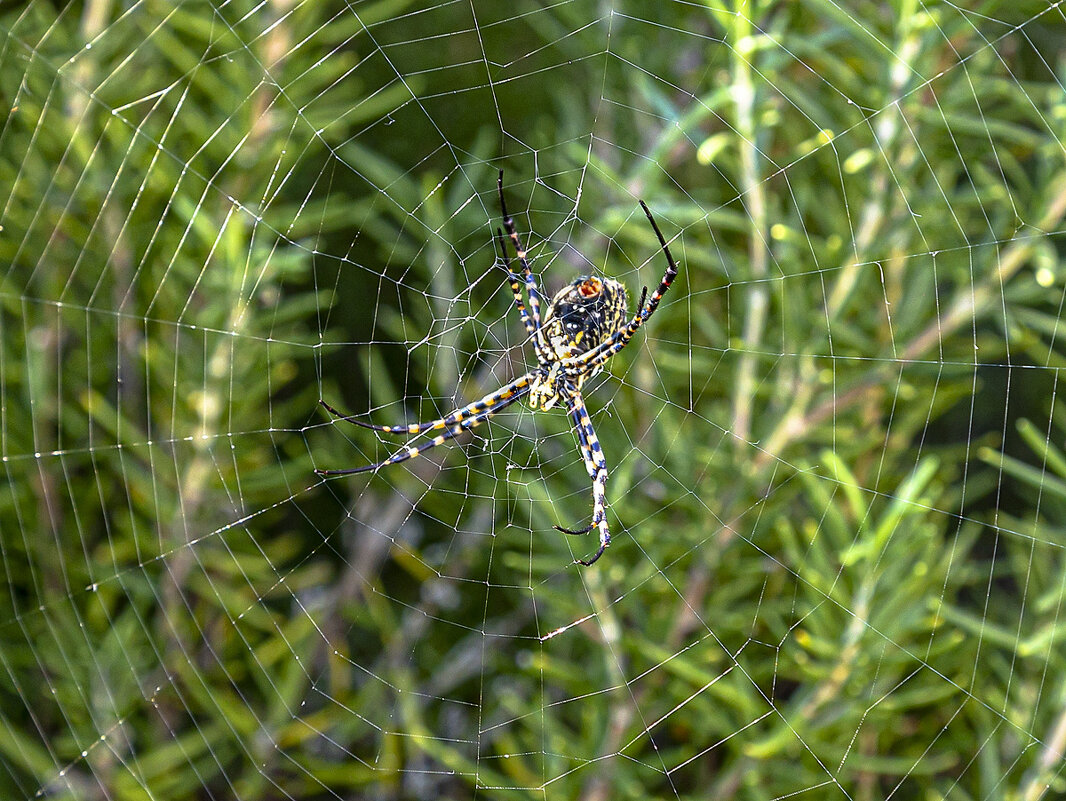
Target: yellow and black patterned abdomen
x=582 y=315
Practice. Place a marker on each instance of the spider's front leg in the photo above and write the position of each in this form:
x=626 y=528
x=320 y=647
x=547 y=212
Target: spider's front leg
x=596 y=466
x=533 y=323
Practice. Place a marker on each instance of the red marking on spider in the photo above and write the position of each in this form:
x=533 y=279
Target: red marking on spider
x=590 y=288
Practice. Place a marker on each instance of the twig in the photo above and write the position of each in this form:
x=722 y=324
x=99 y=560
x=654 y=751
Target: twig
x=752 y=190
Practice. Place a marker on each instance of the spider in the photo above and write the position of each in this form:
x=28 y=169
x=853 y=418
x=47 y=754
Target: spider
x=584 y=326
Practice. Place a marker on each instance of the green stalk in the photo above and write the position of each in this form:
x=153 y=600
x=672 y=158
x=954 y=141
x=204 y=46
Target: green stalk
x=752 y=190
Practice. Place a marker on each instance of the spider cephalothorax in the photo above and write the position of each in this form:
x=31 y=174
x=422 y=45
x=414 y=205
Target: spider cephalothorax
x=584 y=326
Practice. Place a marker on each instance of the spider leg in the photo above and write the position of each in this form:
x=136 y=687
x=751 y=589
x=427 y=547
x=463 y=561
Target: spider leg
x=490 y=400
x=605 y=350
x=531 y=282
x=577 y=531
x=516 y=288
x=671 y=267
x=590 y=467
x=596 y=466
x=412 y=451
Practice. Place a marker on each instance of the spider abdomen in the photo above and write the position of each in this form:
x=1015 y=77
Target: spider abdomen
x=582 y=315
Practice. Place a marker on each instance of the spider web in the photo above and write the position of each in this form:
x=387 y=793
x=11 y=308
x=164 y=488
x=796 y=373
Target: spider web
x=838 y=475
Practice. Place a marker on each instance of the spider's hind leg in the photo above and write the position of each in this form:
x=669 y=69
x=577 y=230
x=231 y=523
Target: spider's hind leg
x=487 y=407
x=578 y=531
x=603 y=547
x=414 y=428
x=596 y=466
x=590 y=466
x=504 y=395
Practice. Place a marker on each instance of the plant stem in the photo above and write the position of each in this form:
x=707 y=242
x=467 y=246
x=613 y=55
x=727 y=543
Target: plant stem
x=752 y=190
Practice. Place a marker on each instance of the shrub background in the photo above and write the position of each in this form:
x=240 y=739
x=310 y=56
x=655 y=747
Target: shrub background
x=838 y=472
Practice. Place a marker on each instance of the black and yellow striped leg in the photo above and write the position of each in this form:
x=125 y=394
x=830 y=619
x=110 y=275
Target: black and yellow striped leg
x=411 y=452
x=596 y=466
x=671 y=267
x=478 y=406
x=531 y=282
x=590 y=468
x=516 y=290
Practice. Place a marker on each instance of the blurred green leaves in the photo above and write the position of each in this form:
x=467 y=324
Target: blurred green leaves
x=838 y=474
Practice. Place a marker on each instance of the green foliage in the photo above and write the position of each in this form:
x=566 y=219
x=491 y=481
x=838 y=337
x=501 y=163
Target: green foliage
x=838 y=482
